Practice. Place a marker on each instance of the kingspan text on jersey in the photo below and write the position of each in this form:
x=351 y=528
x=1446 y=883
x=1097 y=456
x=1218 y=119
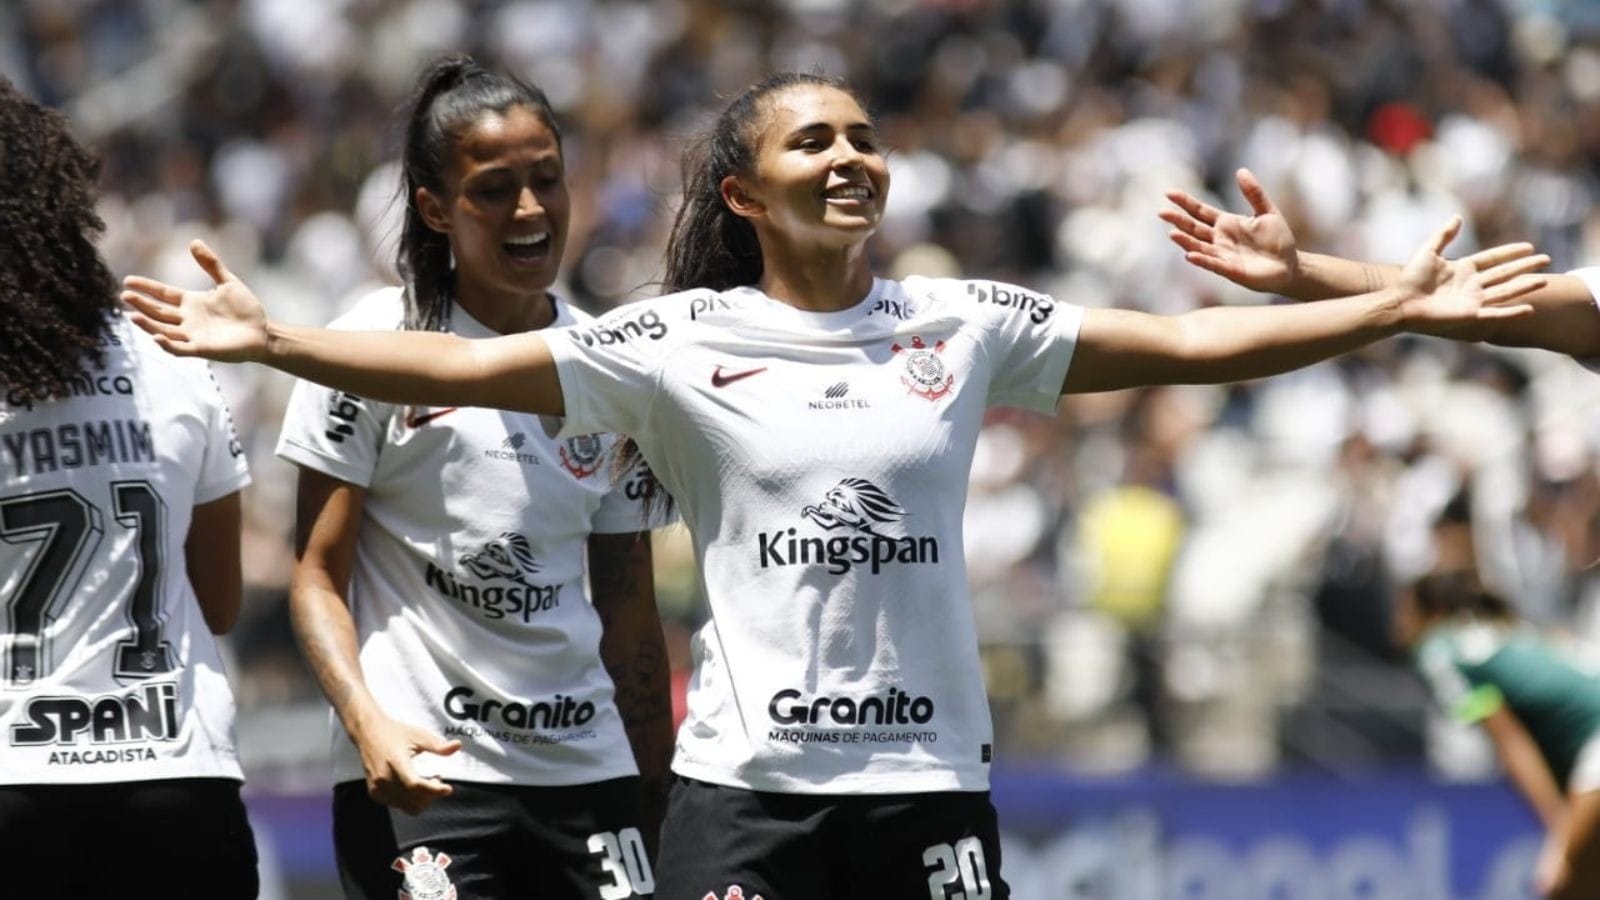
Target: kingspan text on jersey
x=496 y=601
x=843 y=552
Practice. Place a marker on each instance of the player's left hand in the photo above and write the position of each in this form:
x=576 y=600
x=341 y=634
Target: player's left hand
x=1255 y=251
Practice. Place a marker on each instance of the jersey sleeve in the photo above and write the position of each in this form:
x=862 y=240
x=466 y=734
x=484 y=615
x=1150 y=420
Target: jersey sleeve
x=1033 y=337
x=334 y=432
x=608 y=368
x=1590 y=277
x=623 y=510
x=223 y=468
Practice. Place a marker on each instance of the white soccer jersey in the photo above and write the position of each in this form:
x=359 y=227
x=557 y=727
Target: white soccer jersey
x=820 y=461
x=468 y=587
x=108 y=672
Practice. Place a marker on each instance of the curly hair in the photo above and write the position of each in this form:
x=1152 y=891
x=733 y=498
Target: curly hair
x=57 y=296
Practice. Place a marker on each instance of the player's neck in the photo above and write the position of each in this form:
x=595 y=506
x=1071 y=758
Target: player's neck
x=819 y=281
x=507 y=314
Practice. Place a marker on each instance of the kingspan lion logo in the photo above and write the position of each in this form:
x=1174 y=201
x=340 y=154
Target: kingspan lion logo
x=856 y=503
x=509 y=557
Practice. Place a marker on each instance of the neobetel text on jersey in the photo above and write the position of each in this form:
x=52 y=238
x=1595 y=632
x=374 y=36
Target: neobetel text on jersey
x=78 y=444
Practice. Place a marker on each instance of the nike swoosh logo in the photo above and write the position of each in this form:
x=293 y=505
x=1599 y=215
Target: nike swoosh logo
x=417 y=421
x=720 y=380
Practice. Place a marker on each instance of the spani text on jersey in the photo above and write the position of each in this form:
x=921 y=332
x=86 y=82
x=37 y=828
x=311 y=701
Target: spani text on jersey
x=148 y=714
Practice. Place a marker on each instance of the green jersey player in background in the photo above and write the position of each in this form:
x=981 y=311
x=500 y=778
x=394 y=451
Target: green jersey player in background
x=1541 y=711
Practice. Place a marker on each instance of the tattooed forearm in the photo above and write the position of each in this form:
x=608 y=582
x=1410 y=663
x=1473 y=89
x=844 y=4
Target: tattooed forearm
x=632 y=646
x=327 y=636
x=641 y=677
x=1372 y=278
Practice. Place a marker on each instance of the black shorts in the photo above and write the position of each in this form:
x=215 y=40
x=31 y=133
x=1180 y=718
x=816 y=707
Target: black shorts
x=580 y=842
x=725 y=843
x=180 y=838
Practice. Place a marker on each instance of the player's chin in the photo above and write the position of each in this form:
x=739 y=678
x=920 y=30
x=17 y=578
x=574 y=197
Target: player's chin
x=853 y=226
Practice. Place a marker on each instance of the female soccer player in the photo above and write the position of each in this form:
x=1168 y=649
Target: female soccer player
x=439 y=590
x=1541 y=712
x=119 y=559
x=816 y=425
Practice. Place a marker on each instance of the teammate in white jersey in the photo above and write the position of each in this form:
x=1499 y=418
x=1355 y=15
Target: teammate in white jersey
x=439 y=592
x=816 y=426
x=119 y=559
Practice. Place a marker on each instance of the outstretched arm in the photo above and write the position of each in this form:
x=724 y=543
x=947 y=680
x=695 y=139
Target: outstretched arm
x=228 y=323
x=1258 y=251
x=1121 y=349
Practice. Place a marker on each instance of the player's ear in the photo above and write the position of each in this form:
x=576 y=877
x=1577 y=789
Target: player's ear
x=738 y=197
x=431 y=208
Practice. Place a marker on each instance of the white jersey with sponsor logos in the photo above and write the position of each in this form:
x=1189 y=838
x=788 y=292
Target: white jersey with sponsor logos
x=468 y=587
x=820 y=461
x=108 y=672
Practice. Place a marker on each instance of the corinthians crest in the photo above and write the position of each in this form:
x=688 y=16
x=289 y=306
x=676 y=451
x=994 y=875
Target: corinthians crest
x=581 y=455
x=425 y=876
x=734 y=893
x=925 y=375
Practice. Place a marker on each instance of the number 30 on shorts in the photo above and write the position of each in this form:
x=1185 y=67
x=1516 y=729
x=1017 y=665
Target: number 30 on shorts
x=623 y=858
x=960 y=865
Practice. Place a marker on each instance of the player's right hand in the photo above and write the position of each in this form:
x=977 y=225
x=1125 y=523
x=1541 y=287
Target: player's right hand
x=226 y=323
x=389 y=751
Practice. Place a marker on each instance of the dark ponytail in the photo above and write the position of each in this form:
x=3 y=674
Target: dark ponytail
x=710 y=247
x=1459 y=593
x=450 y=95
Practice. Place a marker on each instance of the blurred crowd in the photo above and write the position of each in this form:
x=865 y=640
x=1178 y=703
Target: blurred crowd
x=1194 y=576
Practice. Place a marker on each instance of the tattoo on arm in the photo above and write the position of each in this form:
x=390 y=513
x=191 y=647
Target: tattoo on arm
x=325 y=643
x=1372 y=278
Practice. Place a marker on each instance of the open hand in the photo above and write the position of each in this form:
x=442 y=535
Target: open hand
x=1255 y=251
x=1451 y=297
x=226 y=323
x=388 y=754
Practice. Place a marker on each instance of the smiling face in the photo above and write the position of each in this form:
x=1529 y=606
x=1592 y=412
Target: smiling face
x=505 y=207
x=820 y=176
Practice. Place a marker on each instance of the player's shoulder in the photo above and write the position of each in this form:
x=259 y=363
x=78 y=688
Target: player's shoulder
x=656 y=319
x=131 y=352
x=978 y=295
